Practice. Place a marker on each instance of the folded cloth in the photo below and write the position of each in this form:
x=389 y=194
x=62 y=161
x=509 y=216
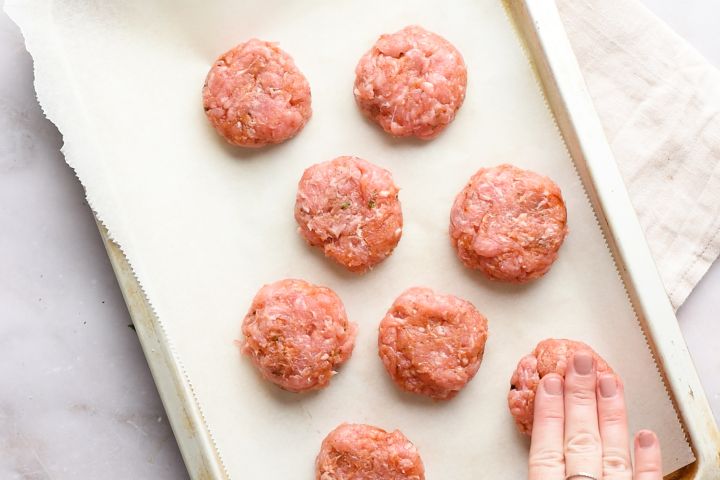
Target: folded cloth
x=659 y=102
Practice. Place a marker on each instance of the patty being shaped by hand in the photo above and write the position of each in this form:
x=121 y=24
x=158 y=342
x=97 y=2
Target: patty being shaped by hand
x=549 y=356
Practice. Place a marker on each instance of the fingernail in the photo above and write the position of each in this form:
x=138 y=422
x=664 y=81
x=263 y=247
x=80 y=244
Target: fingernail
x=608 y=386
x=646 y=439
x=553 y=385
x=583 y=363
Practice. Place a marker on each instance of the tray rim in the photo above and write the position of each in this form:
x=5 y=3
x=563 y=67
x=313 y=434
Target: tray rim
x=197 y=448
x=538 y=23
x=556 y=66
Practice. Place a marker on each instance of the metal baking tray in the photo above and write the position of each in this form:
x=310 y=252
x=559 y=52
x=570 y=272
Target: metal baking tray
x=539 y=24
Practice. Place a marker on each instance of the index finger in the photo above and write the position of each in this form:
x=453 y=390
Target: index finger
x=546 y=446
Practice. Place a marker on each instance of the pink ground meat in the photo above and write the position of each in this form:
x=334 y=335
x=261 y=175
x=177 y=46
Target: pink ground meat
x=254 y=95
x=349 y=208
x=411 y=83
x=364 y=452
x=550 y=356
x=432 y=344
x=509 y=223
x=297 y=334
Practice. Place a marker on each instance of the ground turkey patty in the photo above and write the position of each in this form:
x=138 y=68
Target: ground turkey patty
x=508 y=223
x=350 y=208
x=411 y=83
x=364 y=452
x=550 y=356
x=254 y=95
x=297 y=333
x=432 y=344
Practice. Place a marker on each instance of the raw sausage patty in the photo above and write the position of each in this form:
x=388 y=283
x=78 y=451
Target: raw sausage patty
x=254 y=95
x=432 y=344
x=508 y=223
x=411 y=83
x=550 y=356
x=364 y=452
x=297 y=334
x=349 y=208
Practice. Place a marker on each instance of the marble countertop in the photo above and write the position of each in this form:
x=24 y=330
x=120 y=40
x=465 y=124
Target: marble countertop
x=76 y=396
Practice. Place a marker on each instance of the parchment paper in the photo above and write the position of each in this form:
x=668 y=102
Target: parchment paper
x=204 y=225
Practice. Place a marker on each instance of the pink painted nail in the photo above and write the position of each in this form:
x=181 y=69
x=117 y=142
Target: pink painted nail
x=583 y=363
x=553 y=385
x=608 y=386
x=646 y=439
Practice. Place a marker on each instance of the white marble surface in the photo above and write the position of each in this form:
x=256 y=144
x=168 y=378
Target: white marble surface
x=76 y=396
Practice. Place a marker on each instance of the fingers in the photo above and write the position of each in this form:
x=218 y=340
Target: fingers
x=583 y=451
x=612 y=420
x=546 y=446
x=648 y=462
x=580 y=428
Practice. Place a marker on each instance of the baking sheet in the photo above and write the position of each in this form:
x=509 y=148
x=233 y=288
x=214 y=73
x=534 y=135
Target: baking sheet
x=205 y=224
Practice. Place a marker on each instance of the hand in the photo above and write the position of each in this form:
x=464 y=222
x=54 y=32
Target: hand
x=580 y=429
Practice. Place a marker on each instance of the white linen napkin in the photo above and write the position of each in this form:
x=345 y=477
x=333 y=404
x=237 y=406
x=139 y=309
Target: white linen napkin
x=659 y=102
